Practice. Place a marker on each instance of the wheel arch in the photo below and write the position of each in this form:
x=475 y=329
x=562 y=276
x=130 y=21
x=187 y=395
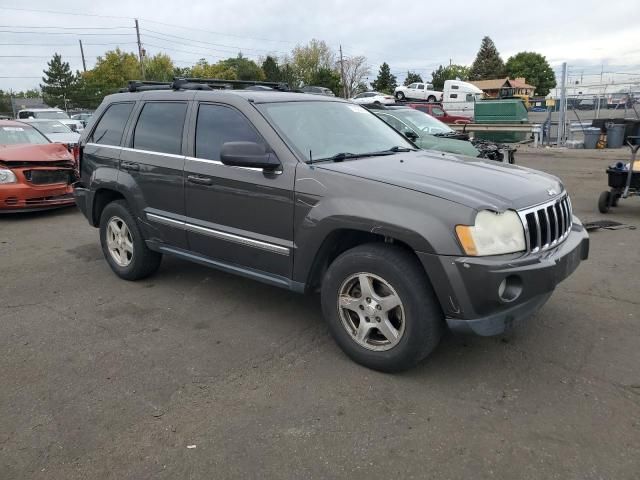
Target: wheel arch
x=101 y=198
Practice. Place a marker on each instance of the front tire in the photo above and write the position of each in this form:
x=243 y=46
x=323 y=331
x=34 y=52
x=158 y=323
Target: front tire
x=400 y=96
x=603 y=202
x=381 y=308
x=122 y=243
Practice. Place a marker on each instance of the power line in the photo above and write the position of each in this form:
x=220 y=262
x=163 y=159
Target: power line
x=69 y=33
x=54 y=27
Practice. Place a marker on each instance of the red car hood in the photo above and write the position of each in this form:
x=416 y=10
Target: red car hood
x=47 y=152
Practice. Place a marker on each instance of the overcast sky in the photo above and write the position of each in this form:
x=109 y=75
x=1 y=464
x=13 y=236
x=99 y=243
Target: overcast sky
x=408 y=35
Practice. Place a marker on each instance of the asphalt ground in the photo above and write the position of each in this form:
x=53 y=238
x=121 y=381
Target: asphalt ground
x=102 y=378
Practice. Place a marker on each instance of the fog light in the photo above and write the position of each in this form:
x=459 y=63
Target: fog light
x=510 y=288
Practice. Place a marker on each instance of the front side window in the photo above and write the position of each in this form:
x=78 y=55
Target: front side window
x=413 y=85
x=470 y=97
x=159 y=127
x=111 y=126
x=216 y=125
x=437 y=112
x=321 y=130
x=24 y=114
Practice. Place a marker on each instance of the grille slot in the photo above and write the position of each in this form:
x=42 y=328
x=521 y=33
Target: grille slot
x=548 y=224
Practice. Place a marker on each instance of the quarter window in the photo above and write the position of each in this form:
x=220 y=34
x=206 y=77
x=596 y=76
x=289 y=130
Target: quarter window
x=111 y=125
x=216 y=125
x=159 y=127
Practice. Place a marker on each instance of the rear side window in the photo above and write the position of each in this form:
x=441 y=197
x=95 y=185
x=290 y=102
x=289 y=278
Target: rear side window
x=216 y=125
x=159 y=127
x=111 y=125
x=420 y=87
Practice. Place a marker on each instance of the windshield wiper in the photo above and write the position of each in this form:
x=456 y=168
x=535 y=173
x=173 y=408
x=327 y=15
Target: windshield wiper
x=339 y=157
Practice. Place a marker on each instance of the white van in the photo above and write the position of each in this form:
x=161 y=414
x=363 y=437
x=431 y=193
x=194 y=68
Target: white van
x=459 y=97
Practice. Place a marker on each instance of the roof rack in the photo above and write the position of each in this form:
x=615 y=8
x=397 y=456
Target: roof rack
x=180 y=83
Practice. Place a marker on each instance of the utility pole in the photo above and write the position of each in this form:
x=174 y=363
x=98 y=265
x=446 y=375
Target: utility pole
x=140 y=49
x=563 y=105
x=84 y=64
x=344 y=83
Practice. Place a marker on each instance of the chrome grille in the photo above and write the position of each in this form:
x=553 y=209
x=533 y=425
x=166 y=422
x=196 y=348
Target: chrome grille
x=548 y=224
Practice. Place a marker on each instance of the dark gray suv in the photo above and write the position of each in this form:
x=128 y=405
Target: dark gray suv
x=313 y=193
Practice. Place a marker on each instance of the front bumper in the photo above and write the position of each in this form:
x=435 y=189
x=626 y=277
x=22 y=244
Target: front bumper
x=469 y=288
x=20 y=197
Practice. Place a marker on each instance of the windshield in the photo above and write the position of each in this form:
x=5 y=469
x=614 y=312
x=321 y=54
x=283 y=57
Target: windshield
x=52 y=127
x=320 y=130
x=21 y=135
x=52 y=114
x=420 y=121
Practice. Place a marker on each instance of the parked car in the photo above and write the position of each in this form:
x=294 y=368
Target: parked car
x=35 y=174
x=83 y=118
x=418 y=91
x=51 y=114
x=370 y=98
x=431 y=134
x=315 y=193
x=55 y=131
x=317 y=90
x=436 y=110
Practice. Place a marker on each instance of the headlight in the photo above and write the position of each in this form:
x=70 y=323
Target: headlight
x=492 y=234
x=7 y=176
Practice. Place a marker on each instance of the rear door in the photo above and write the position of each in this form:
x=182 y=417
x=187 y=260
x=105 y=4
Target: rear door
x=151 y=170
x=236 y=215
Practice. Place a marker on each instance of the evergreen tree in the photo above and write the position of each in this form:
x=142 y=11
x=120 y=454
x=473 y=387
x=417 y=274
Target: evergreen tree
x=412 y=77
x=59 y=82
x=271 y=69
x=385 y=82
x=328 y=78
x=488 y=63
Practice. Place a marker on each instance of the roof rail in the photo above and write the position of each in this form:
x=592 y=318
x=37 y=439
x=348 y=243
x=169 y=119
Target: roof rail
x=180 y=83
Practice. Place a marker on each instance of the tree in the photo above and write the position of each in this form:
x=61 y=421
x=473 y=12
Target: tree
x=184 y=72
x=59 y=82
x=271 y=69
x=385 y=82
x=243 y=68
x=328 y=78
x=534 y=68
x=204 y=69
x=412 y=77
x=306 y=60
x=355 y=71
x=488 y=63
x=159 y=68
x=451 y=72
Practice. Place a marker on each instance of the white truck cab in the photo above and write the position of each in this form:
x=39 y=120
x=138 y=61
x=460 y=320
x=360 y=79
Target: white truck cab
x=50 y=114
x=459 y=98
x=418 y=91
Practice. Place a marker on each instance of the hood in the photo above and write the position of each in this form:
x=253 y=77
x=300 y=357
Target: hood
x=444 y=144
x=47 y=152
x=473 y=182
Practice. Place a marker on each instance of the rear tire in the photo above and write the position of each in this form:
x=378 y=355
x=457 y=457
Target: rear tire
x=603 y=202
x=431 y=99
x=400 y=96
x=122 y=243
x=390 y=276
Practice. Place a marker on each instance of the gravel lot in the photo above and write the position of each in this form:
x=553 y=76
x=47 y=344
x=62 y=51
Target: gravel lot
x=107 y=379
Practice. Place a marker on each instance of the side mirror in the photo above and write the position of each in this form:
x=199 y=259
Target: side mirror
x=411 y=135
x=248 y=154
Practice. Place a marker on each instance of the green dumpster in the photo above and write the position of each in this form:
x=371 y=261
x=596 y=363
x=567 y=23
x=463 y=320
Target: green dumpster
x=504 y=111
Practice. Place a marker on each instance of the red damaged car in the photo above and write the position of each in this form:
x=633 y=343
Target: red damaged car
x=35 y=174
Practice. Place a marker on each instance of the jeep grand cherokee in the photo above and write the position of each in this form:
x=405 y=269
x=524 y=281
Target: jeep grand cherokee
x=311 y=193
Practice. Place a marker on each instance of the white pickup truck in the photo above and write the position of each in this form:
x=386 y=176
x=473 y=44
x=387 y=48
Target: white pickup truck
x=418 y=91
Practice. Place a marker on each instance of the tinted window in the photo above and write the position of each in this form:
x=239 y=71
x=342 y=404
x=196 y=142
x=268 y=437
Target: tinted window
x=454 y=87
x=23 y=114
x=420 y=87
x=159 y=127
x=453 y=95
x=217 y=125
x=111 y=126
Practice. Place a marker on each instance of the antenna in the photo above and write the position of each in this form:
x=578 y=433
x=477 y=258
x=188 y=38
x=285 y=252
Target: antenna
x=310 y=157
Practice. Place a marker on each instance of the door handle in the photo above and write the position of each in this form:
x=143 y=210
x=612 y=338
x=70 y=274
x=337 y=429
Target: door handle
x=199 y=180
x=129 y=166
